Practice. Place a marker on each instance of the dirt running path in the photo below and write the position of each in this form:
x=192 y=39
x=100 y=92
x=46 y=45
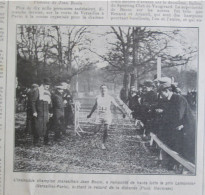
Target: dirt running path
x=124 y=155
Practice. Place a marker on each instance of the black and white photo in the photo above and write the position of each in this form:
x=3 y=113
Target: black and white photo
x=106 y=99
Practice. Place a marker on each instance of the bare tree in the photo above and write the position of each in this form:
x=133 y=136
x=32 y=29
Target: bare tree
x=27 y=44
x=148 y=44
x=55 y=51
x=69 y=45
x=134 y=51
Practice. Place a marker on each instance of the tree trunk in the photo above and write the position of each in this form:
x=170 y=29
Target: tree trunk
x=126 y=80
x=88 y=82
x=132 y=79
x=134 y=75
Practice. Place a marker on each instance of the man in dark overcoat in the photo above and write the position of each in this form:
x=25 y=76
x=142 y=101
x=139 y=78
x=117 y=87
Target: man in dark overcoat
x=134 y=104
x=148 y=105
x=68 y=104
x=178 y=123
x=58 y=112
x=41 y=109
x=29 y=114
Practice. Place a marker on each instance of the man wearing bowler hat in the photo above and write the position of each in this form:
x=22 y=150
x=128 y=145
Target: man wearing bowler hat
x=41 y=107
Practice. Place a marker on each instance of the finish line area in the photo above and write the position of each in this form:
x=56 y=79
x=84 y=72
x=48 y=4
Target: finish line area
x=82 y=124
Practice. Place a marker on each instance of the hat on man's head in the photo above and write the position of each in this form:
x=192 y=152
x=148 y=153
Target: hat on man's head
x=155 y=76
x=59 y=87
x=46 y=81
x=34 y=85
x=148 y=83
x=164 y=86
x=65 y=85
x=163 y=80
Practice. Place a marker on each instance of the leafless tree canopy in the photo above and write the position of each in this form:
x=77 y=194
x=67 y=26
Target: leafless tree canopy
x=55 y=50
x=65 y=51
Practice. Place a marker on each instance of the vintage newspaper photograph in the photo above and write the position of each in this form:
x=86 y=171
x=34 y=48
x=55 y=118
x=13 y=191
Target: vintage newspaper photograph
x=90 y=99
x=102 y=97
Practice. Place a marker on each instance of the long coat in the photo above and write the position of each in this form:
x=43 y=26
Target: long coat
x=30 y=125
x=42 y=109
x=149 y=102
x=58 y=109
x=69 y=115
x=134 y=106
x=147 y=111
x=177 y=112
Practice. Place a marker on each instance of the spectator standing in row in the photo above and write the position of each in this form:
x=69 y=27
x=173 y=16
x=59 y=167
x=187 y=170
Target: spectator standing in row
x=148 y=104
x=29 y=114
x=134 y=102
x=41 y=106
x=177 y=129
x=133 y=98
x=58 y=112
x=68 y=104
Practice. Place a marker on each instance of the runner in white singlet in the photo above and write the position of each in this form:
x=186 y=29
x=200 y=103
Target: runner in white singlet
x=104 y=115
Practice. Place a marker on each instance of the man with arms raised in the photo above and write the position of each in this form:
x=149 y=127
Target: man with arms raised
x=104 y=115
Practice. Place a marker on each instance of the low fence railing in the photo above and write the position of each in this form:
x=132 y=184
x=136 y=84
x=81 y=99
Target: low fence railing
x=191 y=167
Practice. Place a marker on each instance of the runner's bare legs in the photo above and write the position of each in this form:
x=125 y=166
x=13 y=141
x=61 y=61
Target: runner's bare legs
x=105 y=135
x=97 y=128
x=104 y=117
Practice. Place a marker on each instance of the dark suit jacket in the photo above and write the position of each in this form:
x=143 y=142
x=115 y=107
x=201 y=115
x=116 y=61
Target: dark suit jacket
x=177 y=112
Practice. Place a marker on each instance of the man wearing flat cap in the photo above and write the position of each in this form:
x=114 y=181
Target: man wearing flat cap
x=178 y=124
x=41 y=107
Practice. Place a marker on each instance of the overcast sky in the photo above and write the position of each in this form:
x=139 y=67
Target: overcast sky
x=188 y=37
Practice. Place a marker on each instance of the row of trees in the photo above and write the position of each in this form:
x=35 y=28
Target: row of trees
x=130 y=53
x=89 y=81
x=135 y=51
x=59 y=52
